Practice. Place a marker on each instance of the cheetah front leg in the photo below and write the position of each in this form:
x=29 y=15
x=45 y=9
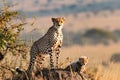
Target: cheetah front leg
x=57 y=52
x=82 y=76
x=51 y=59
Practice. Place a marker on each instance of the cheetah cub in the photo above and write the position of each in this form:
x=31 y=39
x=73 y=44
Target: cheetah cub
x=78 y=66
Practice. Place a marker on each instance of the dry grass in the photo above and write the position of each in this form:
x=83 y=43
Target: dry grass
x=99 y=66
x=111 y=73
x=99 y=58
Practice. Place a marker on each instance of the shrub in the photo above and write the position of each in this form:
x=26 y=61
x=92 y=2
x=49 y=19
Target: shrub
x=10 y=27
x=115 y=58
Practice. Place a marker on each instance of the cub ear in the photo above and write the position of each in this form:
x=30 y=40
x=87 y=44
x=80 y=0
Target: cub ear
x=53 y=19
x=80 y=59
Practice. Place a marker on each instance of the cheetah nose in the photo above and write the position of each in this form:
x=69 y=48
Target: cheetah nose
x=58 y=24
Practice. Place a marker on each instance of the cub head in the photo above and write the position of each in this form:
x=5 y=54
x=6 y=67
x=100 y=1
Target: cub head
x=83 y=60
x=58 y=21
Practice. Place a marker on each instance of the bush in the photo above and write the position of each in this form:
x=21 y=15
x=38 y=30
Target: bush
x=115 y=58
x=10 y=27
x=99 y=33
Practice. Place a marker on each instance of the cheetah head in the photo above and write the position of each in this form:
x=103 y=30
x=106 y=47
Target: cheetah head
x=83 y=60
x=58 y=21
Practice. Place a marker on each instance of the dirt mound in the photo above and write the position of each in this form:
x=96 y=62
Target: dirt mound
x=45 y=74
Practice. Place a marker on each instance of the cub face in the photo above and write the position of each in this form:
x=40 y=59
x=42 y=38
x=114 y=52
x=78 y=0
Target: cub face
x=83 y=60
x=58 y=21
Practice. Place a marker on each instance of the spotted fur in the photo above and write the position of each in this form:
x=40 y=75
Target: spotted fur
x=78 y=66
x=50 y=43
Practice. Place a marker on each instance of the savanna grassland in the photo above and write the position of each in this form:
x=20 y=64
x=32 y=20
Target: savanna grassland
x=99 y=67
x=95 y=35
x=99 y=58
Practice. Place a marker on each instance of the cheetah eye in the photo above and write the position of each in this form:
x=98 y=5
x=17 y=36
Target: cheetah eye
x=61 y=21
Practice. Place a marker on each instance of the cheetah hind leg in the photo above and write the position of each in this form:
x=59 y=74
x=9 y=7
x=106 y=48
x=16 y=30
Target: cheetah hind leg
x=31 y=67
x=39 y=61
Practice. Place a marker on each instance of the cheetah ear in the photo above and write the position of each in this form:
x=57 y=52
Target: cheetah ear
x=53 y=19
x=63 y=18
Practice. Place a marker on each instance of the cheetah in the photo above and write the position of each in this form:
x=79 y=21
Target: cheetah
x=48 y=44
x=78 y=66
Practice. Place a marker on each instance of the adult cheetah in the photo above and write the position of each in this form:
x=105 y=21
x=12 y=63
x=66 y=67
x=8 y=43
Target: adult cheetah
x=50 y=43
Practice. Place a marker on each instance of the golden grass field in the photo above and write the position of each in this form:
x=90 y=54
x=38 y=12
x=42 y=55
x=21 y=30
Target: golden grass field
x=97 y=55
x=99 y=60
